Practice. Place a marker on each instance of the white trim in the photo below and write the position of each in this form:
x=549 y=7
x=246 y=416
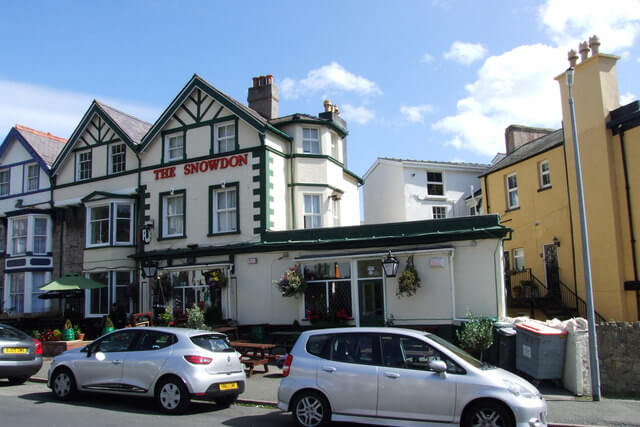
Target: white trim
x=216 y=127
x=542 y=173
x=512 y=190
x=196 y=267
x=358 y=255
x=167 y=148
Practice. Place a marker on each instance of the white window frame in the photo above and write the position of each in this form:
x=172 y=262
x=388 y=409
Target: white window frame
x=232 y=212
x=98 y=222
x=5 y=186
x=438 y=183
x=117 y=158
x=311 y=145
x=166 y=217
x=512 y=190
x=32 y=182
x=22 y=237
x=30 y=236
x=36 y=236
x=112 y=223
x=84 y=165
x=116 y=219
x=111 y=292
x=35 y=291
x=315 y=218
x=335 y=146
x=517 y=256
x=13 y=293
x=335 y=211
x=544 y=173
x=168 y=150
x=226 y=140
x=437 y=210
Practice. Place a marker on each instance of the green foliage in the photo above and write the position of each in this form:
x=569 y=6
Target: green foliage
x=166 y=317
x=408 y=281
x=195 y=318
x=77 y=329
x=36 y=334
x=68 y=324
x=291 y=284
x=476 y=335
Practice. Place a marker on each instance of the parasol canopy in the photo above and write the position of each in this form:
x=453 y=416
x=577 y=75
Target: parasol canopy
x=71 y=282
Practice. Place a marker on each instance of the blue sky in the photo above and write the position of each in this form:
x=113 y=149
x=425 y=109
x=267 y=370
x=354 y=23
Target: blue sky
x=428 y=80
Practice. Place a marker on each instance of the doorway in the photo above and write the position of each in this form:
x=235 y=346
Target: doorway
x=552 y=273
x=370 y=293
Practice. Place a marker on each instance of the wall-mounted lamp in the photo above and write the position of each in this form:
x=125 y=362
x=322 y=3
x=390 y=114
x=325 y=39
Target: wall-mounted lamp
x=149 y=268
x=390 y=265
x=556 y=241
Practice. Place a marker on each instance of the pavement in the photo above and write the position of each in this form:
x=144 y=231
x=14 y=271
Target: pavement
x=565 y=409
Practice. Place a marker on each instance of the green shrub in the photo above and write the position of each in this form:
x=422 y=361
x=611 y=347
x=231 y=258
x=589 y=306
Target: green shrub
x=166 y=317
x=195 y=318
x=476 y=335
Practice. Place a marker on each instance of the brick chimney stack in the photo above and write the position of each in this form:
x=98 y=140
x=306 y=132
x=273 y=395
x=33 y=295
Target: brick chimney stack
x=263 y=97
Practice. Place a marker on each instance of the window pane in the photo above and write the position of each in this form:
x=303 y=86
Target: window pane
x=99 y=298
x=327 y=270
x=37 y=279
x=369 y=268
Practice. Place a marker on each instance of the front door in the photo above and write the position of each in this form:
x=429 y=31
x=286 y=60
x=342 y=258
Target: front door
x=551 y=268
x=507 y=273
x=370 y=293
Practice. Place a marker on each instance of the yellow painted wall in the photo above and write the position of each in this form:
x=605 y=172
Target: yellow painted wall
x=543 y=214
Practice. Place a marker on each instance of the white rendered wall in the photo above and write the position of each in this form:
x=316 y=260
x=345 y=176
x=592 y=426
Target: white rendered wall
x=382 y=194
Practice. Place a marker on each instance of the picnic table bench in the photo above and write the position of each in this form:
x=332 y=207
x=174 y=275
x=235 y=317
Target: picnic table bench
x=254 y=354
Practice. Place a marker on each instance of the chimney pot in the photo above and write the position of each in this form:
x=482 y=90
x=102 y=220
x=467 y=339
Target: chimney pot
x=255 y=82
x=327 y=105
x=594 y=44
x=573 y=58
x=584 y=51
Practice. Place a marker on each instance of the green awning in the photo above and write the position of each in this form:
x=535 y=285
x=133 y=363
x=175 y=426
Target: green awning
x=72 y=282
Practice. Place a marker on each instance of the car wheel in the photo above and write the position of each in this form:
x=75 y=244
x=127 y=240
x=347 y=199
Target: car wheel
x=172 y=395
x=63 y=384
x=487 y=414
x=17 y=380
x=226 y=401
x=311 y=409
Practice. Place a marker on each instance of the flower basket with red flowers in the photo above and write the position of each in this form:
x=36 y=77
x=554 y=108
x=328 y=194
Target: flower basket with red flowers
x=291 y=284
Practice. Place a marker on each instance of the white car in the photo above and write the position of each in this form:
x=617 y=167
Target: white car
x=172 y=365
x=404 y=377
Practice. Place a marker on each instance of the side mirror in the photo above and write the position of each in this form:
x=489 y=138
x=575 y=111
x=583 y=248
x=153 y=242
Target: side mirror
x=438 y=366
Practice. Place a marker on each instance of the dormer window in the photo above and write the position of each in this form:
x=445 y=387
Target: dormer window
x=83 y=165
x=310 y=141
x=435 y=185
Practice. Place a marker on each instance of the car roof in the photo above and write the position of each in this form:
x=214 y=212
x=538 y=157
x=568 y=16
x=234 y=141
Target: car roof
x=368 y=329
x=176 y=331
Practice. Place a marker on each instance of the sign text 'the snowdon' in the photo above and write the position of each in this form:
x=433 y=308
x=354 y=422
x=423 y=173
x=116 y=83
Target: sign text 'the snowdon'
x=203 y=166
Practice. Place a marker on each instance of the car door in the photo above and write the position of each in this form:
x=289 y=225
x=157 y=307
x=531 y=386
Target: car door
x=349 y=377
x=146 y=359
x=102 y=368
x=407 y=388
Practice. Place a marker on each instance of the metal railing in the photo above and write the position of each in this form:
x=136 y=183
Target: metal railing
x=571 y=300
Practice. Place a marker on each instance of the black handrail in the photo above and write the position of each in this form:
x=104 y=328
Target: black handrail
x=570 y=299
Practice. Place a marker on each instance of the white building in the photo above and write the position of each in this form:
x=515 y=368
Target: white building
x=25 y=208
x=216 y=189
x=408 y=190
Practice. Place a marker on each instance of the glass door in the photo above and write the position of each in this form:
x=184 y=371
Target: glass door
x=370 y=293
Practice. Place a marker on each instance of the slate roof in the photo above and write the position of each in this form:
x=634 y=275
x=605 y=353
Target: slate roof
x=132 y=126
x=47 y=146
x=528 y=150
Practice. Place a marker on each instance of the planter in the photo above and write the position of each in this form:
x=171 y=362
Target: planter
x=54 y=348
x=80 y=336
x=107 y=330
x=68 y=335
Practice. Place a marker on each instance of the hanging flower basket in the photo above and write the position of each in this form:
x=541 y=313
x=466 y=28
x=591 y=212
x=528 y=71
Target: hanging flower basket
x=216 y=278
x=408 y=281
x=291 y=284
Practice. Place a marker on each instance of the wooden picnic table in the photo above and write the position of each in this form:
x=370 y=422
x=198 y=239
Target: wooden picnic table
x=253 y=354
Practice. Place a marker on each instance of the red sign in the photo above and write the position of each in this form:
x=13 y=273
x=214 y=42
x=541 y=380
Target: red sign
x=204 y=166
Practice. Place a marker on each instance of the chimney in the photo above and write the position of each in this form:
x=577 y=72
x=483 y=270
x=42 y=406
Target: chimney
x=263 y=97
x=516 y=136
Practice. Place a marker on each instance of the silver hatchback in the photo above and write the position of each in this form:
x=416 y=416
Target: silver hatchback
x=173 y=365
x=395 y=376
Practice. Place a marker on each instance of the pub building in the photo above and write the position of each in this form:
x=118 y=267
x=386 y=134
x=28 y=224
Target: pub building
x=215 y=201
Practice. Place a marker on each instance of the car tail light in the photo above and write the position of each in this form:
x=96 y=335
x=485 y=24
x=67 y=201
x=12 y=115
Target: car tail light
x=287 y=365
x=38 y=347
x=198 y=360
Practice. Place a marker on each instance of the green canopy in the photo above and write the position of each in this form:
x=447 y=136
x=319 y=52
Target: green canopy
x=72 y=282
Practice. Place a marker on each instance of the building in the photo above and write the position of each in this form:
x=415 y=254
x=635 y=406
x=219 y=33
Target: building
x=408 y=190
x=534 y=190
x=26 y=227
x=217 y=200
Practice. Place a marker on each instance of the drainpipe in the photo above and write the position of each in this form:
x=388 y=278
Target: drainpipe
x=630 y=285
x=573 y=242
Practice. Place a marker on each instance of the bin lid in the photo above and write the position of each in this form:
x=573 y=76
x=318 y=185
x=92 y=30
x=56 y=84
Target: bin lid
x=540 y=329
x=507 y=331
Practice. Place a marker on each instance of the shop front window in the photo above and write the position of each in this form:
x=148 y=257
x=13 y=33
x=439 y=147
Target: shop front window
x=328 y=294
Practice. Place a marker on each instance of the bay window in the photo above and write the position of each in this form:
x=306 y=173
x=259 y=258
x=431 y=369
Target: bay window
x=110 y=224
x=28 y=234
x=311 y=141
x=19 y=235
x=312 y=217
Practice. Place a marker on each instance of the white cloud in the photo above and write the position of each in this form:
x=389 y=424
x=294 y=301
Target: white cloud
x=415 y=113
x=331 y=77
x=518 y=87
x=465 y=53
x=360 y=115
x=426 y=58
x=626 y=98
x=54 y=110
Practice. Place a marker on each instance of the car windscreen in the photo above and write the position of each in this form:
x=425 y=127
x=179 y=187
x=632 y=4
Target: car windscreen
x=9 y=332
x=212 y=342
x=458 y=352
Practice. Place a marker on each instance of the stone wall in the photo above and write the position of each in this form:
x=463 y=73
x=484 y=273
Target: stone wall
x=68 y=249
x=618 y=352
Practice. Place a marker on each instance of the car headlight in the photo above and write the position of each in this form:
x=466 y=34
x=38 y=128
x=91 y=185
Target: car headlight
x=519 y=390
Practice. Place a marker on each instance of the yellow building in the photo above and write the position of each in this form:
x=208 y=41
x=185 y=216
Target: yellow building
x=534 y=189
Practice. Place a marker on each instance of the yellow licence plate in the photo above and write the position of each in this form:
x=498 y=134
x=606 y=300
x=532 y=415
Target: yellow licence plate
x=228 y=386
x=10 y=350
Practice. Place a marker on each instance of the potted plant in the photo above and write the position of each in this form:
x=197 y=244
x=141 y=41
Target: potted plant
x=195 y=318
x=476 y=335
x=79 y=333
x=291 y=284
x=68 y=333
x=166 y=317
x=217 y=278
x=108 y=325
x=408 y=281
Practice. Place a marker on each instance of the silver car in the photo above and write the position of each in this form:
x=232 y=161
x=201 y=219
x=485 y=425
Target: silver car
x=173 y=365
x=403 y=377
x=20 y=355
